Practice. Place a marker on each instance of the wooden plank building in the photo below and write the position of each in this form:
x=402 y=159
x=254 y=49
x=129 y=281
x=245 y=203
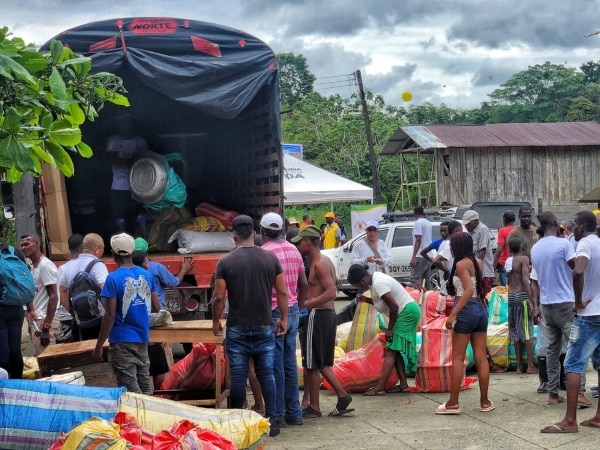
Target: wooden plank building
x=550 y=165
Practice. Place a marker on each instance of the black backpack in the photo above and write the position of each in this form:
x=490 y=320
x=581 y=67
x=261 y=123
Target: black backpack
x=87 y=307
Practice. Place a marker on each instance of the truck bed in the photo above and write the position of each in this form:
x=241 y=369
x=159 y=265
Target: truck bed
x=205 y=265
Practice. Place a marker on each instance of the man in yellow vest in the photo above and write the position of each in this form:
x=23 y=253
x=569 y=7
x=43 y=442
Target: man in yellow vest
x=331 y=232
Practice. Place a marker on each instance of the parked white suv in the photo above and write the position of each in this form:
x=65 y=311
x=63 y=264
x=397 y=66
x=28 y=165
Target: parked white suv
x=398 y=239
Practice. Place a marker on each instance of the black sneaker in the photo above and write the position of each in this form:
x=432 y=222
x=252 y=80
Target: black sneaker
x=275 y=429
x=293 y=420
x=282 y=422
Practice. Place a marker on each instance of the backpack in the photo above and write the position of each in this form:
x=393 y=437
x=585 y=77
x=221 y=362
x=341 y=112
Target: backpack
x=16 y=280
x=87 y=307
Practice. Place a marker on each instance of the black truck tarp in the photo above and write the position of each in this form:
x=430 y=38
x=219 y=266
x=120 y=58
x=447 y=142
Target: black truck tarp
x=206 y=91
x=211 y=68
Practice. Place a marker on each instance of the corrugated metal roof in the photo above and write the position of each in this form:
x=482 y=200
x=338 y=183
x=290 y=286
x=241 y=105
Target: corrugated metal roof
x=563 y=134
x=591 y=197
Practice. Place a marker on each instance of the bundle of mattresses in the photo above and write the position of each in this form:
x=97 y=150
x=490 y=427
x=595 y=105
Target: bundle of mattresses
x=34 y=414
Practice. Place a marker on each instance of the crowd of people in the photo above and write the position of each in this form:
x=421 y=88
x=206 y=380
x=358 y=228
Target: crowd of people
x=283 y=289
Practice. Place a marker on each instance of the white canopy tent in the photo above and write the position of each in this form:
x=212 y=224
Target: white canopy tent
x=307 y=184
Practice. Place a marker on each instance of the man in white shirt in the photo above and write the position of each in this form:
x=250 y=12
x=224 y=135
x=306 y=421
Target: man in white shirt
x=482 y=246
x=585 y=329
x=421 y=267
x=44 y=325
x=553 y=258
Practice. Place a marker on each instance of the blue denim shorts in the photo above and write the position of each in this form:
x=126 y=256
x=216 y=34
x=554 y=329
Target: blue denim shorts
x=584 y=341
x=473 y=318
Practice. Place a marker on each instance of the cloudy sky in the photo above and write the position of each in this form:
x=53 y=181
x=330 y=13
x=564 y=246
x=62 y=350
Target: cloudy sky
x=442 y=51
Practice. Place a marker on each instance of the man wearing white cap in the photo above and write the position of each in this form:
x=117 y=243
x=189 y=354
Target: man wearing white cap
x=130 y=298
x=371 y=250
x=285 y=369
x=482 y=246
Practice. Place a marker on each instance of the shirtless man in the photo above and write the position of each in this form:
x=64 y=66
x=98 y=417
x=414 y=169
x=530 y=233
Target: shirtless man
x=318 y=337
x=521 y=304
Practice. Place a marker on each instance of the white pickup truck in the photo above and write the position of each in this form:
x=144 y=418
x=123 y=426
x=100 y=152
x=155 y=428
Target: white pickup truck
x=398 y=238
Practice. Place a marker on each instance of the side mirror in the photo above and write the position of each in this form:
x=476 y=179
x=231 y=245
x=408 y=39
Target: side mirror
x=8 y=212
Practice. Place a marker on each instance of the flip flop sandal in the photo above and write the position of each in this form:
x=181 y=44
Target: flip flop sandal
x=556 y=400
x=399 y=390
x=589 y=423
x=443 y=410
x=585 y=404
x=373 y=392
x=342 y=406
x=489 y=408
x=309 y=413
x=555 y=429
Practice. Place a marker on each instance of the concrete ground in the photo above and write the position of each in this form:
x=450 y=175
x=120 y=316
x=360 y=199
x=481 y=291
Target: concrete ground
x=407 y=421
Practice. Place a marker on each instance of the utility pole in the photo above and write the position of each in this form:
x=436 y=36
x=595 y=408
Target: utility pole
x=361 y=91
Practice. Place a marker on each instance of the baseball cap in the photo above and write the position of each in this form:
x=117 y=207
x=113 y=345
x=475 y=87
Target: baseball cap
x=309 y=231
x=372 y=223
x=271 y=221
x=469 y=216
x=329 y=215
x=242 y=222
x=122 y=244
x=141 y=245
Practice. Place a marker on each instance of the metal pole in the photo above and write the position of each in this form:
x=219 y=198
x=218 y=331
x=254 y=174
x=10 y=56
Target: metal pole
x=361 y=91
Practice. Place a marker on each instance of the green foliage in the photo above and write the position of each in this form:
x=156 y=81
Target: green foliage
x=295 y=79
x=542 y=93
x=332 y=129
x=44 y=99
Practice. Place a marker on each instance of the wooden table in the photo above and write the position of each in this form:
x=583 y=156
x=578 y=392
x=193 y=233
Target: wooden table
x=72 y=354
x=196 y=331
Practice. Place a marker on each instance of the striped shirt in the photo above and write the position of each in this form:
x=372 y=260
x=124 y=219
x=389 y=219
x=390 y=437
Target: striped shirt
x=292 y=264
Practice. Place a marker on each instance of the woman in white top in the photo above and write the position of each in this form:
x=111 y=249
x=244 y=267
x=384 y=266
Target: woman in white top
x=389 y=297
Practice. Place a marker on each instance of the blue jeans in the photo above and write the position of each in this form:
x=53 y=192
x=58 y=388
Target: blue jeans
x=258 y=342
x=11 y=326
x=584 y=341
x=285 y=368
x=502 y=275
x=557 y=320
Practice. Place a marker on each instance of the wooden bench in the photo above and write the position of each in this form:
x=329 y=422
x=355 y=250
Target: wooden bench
x=60 y=357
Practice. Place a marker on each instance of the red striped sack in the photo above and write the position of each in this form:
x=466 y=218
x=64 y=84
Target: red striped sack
x=196 y=370
x=226 y=217
x=435 y=358
x=359 y=369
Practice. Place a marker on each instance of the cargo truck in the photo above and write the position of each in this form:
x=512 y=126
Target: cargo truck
x=205 y=91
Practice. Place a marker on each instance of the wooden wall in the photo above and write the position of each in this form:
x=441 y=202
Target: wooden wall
x=559 y=176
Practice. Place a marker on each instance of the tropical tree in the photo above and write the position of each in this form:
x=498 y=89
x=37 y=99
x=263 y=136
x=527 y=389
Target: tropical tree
x=44 y=99
x=542 y=93
x=295 y=79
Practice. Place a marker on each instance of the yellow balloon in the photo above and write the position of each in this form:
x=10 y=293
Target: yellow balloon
x=406 y=96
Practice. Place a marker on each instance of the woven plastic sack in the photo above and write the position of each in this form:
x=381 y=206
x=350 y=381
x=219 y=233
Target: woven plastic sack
x=185 y=435
x=226 y=217
x=196 y=370
x=359 y=370
x=245 y=428
x=204 y=223
x=497 y=306
x=95 y=433
x=367 y=324
x=497 y=342
x=435 y=358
